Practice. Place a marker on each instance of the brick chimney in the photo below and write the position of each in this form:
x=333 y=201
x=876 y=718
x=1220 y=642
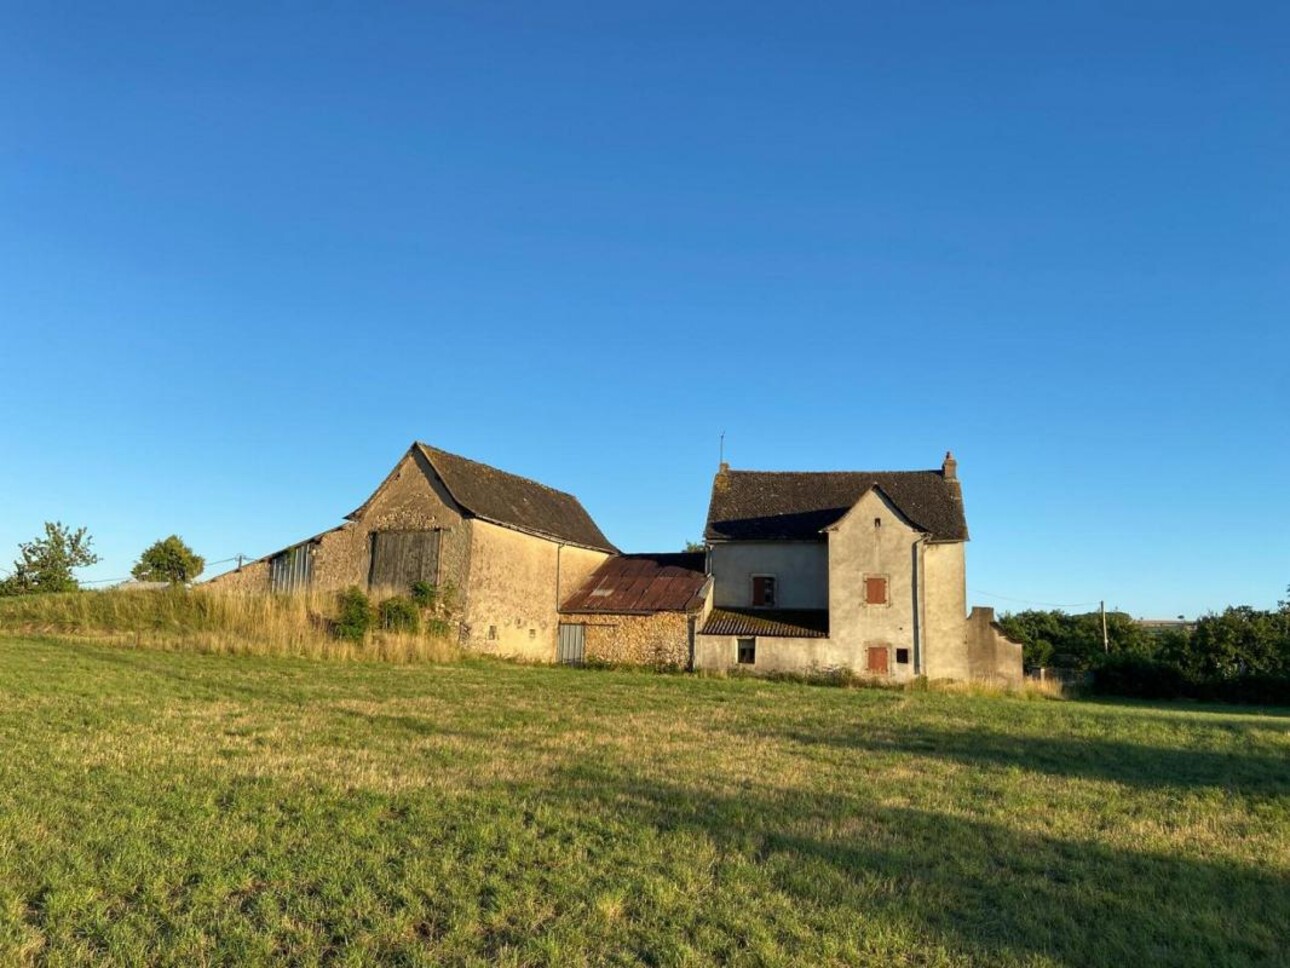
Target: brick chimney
x=950 y=469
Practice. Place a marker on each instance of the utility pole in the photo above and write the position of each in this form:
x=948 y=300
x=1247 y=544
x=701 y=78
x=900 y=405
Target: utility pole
x=1106 y=643
x=239 y=562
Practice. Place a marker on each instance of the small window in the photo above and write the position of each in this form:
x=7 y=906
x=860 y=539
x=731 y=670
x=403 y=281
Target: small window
x=877 y=522
x=763 y=591
x=747 y=652
x=532 y=633
x=875 y=590
x=902 y=657
x=492 y=633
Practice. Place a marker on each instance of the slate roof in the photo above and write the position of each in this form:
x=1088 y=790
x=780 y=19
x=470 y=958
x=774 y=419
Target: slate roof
x=775 y=623
x=515 y=502
x=762 y=505
x=642 y=585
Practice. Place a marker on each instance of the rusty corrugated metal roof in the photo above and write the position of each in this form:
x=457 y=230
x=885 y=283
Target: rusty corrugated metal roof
x=773 y=622
x=640 y=584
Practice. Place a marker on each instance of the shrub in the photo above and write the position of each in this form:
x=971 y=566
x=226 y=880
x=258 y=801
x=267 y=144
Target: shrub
x=424 y=594
x=356 y=614
x=1132 y=675
x=400 y=614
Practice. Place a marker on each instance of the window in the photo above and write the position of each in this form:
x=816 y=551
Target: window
x=875 y=590
x=877 y=660
x=492 y=633
x=877 y=522
x=902 y=657
x=747 y=652
x=763 y=591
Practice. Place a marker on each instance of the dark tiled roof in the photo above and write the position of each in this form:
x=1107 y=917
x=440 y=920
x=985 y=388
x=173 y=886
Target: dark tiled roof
x=760 y=505
x=780 y=623
x=515 y=502
x=640 y=584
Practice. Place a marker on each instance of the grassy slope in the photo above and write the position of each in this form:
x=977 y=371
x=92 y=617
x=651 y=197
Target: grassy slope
x=172 y=808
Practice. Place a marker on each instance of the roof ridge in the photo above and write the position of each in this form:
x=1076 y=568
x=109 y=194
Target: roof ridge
x=918 y=470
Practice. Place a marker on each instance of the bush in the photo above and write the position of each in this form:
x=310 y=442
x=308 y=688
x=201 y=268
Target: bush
x=1131 y=675
x=400 y=614
x=356 y=615
x=1141 y=678
x=424 y=594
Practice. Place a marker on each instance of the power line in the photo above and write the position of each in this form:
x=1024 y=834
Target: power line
x=1024 y=601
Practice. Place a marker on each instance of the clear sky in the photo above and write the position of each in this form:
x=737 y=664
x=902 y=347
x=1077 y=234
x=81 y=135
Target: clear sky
x=248 y=253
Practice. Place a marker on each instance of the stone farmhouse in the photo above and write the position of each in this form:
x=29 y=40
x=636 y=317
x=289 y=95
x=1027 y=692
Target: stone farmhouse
x=803 y=572
x=859 y=570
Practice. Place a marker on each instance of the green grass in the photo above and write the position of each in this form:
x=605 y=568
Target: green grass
x=171 y=808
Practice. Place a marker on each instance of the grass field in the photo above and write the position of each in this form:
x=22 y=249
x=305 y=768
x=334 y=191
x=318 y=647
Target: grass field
x=170 y=808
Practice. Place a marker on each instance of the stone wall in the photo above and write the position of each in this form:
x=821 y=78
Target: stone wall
x=944 y=605
x=252 y=578
x=661 y=639
x=514 y=590
x=992 y=656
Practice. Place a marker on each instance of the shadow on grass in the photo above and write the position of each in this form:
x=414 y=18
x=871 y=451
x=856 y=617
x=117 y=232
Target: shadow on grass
x=982 y=891
x=1245 y=772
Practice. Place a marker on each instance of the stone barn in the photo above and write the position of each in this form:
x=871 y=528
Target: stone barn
x=507 y=550
x=636 y=609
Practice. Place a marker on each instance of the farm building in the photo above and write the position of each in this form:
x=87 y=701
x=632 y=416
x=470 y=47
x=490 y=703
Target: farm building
x=850 y=570
x=509 y=549
x=636 y=609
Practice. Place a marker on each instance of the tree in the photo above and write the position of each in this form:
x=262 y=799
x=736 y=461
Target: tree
x=46 y=564
x=169 y=560
x=695 y=546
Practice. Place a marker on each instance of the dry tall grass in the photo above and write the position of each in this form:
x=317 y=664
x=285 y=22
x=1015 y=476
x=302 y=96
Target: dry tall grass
x=207 y=620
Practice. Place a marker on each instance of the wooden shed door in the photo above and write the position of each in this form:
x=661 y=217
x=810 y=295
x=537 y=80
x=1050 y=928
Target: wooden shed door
x=400 y=558
x=572 y=649
x=878 y=659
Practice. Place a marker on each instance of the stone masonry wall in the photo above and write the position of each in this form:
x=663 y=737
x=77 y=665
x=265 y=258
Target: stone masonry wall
x=661 y=639
x=992 y=656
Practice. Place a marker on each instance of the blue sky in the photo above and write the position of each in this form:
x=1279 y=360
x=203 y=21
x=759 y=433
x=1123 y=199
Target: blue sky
x=247 y=255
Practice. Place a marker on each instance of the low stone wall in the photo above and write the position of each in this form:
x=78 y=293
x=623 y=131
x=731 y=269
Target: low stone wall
x=661 y=639
x=253 y=577
x=992 y=656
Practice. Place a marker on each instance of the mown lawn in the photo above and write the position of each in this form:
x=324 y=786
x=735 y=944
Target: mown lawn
x=170 y=808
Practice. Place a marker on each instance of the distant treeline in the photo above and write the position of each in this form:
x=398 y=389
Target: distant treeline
x=1239 y=655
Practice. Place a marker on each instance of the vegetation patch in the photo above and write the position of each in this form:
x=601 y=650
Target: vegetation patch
x=176 y=808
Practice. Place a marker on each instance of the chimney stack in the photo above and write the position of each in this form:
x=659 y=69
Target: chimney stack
x=723 y=468
x=950 y=469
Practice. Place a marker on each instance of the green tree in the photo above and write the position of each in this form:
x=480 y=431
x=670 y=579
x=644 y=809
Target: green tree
x=169 y=560
x=695 y=546
x=46 y=564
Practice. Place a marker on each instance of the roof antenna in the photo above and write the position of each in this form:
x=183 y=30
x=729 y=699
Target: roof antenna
x=721 y=453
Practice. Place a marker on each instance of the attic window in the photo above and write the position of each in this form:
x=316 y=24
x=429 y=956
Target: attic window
x=877 y=522
x=875 y=590
x=763 y=591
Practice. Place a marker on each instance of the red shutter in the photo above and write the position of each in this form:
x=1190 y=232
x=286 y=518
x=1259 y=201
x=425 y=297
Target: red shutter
x=764 y=591
x=875 y=591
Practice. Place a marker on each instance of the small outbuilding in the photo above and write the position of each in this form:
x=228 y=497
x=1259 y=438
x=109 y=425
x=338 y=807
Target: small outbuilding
x=636 y=610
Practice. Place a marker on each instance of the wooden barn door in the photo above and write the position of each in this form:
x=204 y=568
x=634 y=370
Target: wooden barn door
x=400 y=558
x=878 y=660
